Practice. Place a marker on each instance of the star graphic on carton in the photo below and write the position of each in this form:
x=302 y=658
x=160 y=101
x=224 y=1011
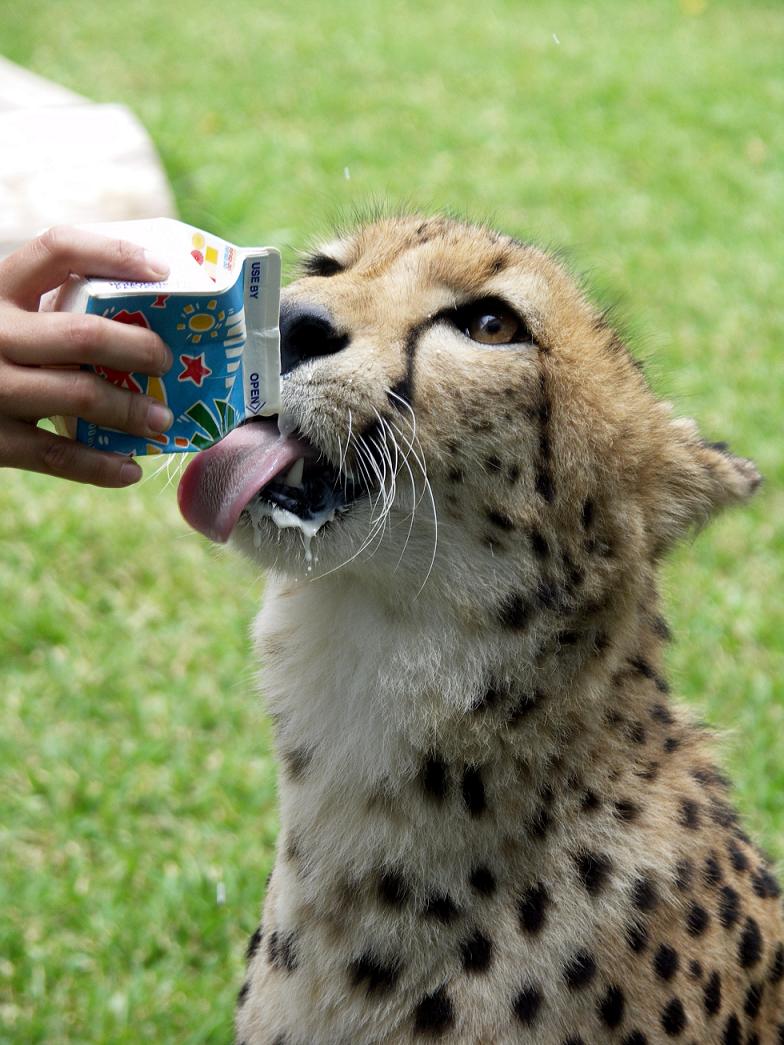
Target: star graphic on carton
x=121 y=378
x=194 y=369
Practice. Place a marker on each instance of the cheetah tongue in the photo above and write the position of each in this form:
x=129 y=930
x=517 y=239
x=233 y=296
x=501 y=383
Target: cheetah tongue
x=219 y=482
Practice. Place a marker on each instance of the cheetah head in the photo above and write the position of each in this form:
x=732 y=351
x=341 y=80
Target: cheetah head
x=457 y=418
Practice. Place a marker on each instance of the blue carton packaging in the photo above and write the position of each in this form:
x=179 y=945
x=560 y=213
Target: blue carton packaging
x=218 y=311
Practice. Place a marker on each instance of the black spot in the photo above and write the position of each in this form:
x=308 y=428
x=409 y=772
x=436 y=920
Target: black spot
x=764 y=884
x=750 y=944
x=729 y=906
x=544 y=486
x=532 y=908
x=434 y=1014
x=695 y=969
x=574 y=1039
x=473 y=791
x=723 y=814
x=493 y=463
x=661 y=713
x=476 y=952
x=540 y=824
x=708 y=777
x=297 y=761
x=738 y=858
x=627 y=811
x=482 y=880
x=579 y=970
x=568 y=638
x=662 y=628
x=642 y=667
x=673 y=1018
x=514 y=612
x=776 y=974
x=711 y=872
x=665 y=962
x=635 y=731
x=378 y=977
x=243 y=994
x=547 y=794
x=587 y=513
x=593 y=869
x=575 y=574
x=689 y=814
x=281 y=951
x=753 y=1000
x=523 y=707
x=711 y=994
x=645 y=895
x=540 y=546
x=490 y=699
x=435 y=777
x=732 y=1034
x=441 y=907
x=601 y=642
x=253 y=944
x=635 y=1038
x=512 y=474
x=650 y=772
x=697 y=920
x=392 y=888
x=503 y=522
x=684 y=873
x=671 y=744
x=455 y=475
x=527 y=1004
x=637 y=937
x=321 y=265
x=590 y=802
x=610 y=1007
x=547 y=594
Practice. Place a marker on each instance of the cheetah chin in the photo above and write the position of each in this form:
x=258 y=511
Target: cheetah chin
x=496 y=825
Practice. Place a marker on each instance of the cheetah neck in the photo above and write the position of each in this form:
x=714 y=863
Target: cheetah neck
x=373 y=707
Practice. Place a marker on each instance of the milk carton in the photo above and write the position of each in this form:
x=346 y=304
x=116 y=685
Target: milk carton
x=217 y=311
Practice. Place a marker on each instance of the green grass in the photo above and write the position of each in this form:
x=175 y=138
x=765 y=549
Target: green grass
x=135 y=772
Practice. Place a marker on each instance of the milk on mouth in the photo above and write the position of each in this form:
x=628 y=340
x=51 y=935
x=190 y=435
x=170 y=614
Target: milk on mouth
x=261 y=508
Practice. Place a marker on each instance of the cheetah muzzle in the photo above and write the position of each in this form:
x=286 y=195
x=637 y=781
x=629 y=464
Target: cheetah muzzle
x=496 y=824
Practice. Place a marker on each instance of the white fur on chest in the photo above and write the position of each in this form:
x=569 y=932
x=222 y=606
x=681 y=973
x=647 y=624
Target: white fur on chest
x=344 y=673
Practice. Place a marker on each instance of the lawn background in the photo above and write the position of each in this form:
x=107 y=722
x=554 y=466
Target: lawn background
x=647 y=140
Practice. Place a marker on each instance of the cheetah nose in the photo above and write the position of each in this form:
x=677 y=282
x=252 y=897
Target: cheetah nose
x=306 y=332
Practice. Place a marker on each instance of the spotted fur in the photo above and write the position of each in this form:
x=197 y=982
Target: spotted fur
x=496 y=824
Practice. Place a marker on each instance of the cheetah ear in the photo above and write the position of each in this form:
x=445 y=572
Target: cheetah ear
x=696 y=480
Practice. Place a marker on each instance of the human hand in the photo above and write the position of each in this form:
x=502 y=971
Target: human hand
x=40 y=354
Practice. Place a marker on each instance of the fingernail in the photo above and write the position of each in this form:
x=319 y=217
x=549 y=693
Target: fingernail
x=159 y=417
x=158 y=265
x=130 y=473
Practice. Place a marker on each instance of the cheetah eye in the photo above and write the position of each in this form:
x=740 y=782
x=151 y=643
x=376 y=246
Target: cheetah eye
x=491 y=322
x=321 y=265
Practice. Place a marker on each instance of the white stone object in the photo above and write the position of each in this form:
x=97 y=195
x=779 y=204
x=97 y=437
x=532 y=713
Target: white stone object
x=65 y=159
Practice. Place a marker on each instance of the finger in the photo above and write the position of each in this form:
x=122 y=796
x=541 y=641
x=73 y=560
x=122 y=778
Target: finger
x=67 y=339
x=48 y=260
x=23 y=446
x=28 y=394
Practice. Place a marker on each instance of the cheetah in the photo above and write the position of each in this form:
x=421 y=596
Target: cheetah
x=496 y=825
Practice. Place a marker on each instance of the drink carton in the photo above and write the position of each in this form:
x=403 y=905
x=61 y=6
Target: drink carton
x=217 y=311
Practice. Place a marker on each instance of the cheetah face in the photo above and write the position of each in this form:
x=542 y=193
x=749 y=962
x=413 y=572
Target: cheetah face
x=455 y=413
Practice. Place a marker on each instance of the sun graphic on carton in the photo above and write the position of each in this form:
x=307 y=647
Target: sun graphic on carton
x=201 y=319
